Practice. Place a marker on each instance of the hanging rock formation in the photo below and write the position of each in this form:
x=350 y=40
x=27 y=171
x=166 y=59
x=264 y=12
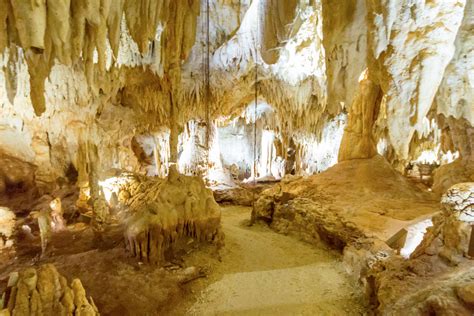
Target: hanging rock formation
x=144 y=60
x=459 y=135
x=410 y=46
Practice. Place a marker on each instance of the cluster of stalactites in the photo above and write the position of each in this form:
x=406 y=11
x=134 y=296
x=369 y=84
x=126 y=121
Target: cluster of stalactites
x=76 y=32
x=164 y=211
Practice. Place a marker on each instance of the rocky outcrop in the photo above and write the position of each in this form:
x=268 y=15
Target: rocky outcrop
x=438 y=276
x=44 y=291
x=366 y=195
x=449 y=237
x=159 y=213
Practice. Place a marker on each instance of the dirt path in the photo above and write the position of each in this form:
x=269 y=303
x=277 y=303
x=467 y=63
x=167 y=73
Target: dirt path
x=264 y=273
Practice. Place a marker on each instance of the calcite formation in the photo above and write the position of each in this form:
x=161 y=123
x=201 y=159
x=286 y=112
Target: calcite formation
x=43 y=291
x=459 y=199
x=358 y=206
x=438 y=276
x=161 y=212
x=459 y=134
x=84 y=63
x=451 y=232
x=358 y=140
x=7 y=227
x=384 y=198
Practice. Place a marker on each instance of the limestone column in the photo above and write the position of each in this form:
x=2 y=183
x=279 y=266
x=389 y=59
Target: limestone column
x=358 y=141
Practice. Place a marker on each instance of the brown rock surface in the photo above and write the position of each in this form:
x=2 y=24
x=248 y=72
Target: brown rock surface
x=44 y=291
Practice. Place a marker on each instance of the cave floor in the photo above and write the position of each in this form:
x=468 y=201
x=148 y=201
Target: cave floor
x=265 y=273
x=259 y=272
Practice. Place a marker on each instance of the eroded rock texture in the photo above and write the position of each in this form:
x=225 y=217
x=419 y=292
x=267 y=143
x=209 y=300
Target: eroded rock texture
x=362 y=214
x=15 y=174
x=7 y=227
x=44 y=291
x=384 y=198
x=450 y=235
x=358 y=140
x=438 y=276
x=82 y=64
x=163 y=212
x=459 y=135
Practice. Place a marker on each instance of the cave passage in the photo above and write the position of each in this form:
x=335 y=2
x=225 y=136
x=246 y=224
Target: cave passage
x=251 y=157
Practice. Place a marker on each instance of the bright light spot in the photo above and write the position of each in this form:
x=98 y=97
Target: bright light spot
x=415 y=235
x=382 y=146
x=428 y=156
x=251 y=114
x=112 y=185
x=436 y=156
x=364 y=75
x=321 y=153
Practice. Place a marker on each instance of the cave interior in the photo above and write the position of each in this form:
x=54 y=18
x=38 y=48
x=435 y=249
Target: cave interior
x=236 y=157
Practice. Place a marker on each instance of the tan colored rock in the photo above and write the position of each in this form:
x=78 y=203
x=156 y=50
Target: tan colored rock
x=345 y=41
x=466 y=293
x=358 y=140
x=160 y=212
x=31 y=21
x=44 y=291
x=460 y=199
x=7 y=227
x=15 y=174
x=459 y=136
x=450 y=234
x=275 y=19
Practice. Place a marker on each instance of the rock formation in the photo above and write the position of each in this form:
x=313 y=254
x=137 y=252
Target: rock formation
x=451 y=232
x=44 y=291
x=162 y=212
x=427 y=282
x=7 y=227
x=358 y=140
x=344 y=122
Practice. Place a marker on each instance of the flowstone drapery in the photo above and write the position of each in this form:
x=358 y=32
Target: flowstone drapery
x=163 y=211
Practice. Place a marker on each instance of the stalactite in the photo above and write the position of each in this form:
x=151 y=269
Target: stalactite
x=276 y=17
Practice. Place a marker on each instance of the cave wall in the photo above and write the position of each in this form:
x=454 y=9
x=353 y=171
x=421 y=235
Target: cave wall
x=109 y=73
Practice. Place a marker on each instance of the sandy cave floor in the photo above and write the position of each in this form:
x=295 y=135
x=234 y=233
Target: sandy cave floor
x=265 y=273
x=258 y=272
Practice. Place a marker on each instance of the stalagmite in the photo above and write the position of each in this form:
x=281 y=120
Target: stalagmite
x=44 y=291
x=44 y=224
x=161 y=212
x=358 y=140
x=348 y=124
